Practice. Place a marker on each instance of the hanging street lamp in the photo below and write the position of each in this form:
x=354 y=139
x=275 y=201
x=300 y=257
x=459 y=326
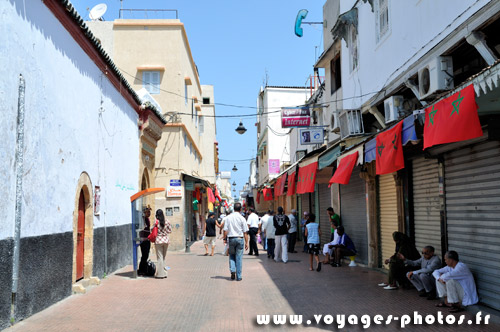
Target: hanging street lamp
x=241 y=128
x=234 y=168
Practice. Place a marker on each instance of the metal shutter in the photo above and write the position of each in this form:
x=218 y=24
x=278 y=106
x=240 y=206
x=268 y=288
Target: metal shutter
x=353 y=214
x=472 y=184
x=324 y=219
x=426 y=205
x=388 y=207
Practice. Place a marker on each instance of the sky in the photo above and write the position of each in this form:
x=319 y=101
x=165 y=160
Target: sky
x=236 y=45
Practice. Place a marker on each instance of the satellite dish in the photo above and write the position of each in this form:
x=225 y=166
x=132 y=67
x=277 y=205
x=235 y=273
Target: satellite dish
x=298 y=22
x=97 y=12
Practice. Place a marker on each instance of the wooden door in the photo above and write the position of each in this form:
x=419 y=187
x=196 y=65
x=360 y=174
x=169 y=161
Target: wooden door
x=80 y=236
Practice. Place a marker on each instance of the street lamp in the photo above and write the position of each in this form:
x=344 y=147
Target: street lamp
x=234 y=183
x=234 y=168
x=241 y=128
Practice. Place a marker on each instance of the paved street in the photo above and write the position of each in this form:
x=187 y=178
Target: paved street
x=199 y=296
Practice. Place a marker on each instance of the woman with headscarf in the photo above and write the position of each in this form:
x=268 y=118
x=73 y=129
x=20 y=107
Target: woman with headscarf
x=397 y=267
x=161 y=243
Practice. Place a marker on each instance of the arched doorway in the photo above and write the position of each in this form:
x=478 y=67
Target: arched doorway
x=83 y=230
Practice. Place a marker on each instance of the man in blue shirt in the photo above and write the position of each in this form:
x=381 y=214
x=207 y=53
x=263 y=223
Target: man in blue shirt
x=342 y=247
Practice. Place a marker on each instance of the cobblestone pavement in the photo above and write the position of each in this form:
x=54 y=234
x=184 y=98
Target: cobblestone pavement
x=198 y=295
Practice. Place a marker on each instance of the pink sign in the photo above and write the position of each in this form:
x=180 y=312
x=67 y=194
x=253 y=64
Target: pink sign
x=295 y=122
x=274 y=166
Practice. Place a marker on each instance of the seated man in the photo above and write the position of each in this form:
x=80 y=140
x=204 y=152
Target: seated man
x=422 y=279
x=343 y=247
x=328 y=248
x=455 y=284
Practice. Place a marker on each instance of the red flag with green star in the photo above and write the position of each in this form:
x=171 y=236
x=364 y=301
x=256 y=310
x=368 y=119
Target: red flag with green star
x=343 y=172
x=277 y=187
x=258 y=197
x=453 y=119
x=281 y=189
x=307 y=178
x=268 y=194
x=291 y=185
x=390 y=150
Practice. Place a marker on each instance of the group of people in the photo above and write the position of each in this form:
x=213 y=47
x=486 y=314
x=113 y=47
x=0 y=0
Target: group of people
x=454 y=283
x=164 y=228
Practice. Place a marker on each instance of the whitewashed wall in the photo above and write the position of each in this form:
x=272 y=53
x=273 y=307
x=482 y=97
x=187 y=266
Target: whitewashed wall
x=415 y=27
x=75 y=121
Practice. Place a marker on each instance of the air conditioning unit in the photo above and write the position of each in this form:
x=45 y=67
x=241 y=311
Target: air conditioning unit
x=334 y=123
x=393 y=107
x=435 y=76
x=351 y=123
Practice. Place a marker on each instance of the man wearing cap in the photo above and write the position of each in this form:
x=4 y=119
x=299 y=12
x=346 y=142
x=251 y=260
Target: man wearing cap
x=292 y=232
x=236 y=229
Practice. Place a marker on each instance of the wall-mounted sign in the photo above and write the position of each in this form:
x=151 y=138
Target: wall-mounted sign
x=311 y=136
x=274 y=166
x=225 y=175
x=175 y=183
x=97 y=200
x=174 y=191
x=295 y=117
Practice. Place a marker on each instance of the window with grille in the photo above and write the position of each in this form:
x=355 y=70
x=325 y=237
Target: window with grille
x=382 y=18
x=353 y=49
x=151 y=81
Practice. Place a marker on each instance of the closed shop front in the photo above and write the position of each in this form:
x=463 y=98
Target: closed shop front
x=472 y=187
x=324 y=219
x=426 y=206
x=305 y=203
x=353 y=213
x=388 y=213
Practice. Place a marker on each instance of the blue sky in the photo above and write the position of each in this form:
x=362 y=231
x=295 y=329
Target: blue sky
x=234 y=44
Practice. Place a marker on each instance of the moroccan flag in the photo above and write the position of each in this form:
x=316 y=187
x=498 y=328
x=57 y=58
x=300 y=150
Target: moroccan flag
x=258 y=197
x=268 y=194
x=197 y=194
x=389 y=150
x=277 y=186
x=282 y=183
x=291 y=185
x=343 y=172
x=307 y=178
x=453 y=119
x=211 y=197
x=217 y=195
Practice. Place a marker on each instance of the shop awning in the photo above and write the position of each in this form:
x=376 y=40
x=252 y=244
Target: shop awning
x=195 y=179
x=408 y=135
x=328 y=157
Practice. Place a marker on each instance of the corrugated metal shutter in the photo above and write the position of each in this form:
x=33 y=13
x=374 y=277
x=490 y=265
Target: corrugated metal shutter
x=388 y=206
x=324 y=219
x=353 y=214
x=305 y=203
x=426 y=205
x=472 y=184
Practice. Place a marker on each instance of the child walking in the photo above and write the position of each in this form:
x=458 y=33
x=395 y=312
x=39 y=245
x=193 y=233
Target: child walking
x=313 y=234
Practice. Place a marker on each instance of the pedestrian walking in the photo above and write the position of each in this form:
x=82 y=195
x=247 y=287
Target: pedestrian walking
x=236 y=231
x=145 y=243
x=303 y=224
x=253 y=224
x=313 y=233
x=270 y=235
x=210 y=234
x=263 y=225
x=282 y=225
x=161 y=243
x=292 y=232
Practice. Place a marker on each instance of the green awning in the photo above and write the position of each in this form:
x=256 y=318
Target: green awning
x=328 y=157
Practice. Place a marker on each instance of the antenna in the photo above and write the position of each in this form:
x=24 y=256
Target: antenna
x=97 y=12
x=298 y=22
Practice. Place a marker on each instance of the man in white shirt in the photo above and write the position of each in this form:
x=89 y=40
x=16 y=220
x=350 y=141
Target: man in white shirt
x=235 y=229
x=270 y=235
x=253 y=223
x=455 y=284
x=292 y=232
x=263 y=225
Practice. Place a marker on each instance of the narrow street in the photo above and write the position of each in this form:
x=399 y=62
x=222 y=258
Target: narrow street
x=198 y=295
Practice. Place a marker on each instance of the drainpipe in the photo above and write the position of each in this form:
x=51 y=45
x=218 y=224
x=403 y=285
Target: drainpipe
x=19 y=194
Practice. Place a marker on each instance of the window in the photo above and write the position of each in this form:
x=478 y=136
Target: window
x=382 y=18
x=185 y=93
x=353 y=48
x=151 y=81
x=206 y=100
x=201 y=125
x=335 y=78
